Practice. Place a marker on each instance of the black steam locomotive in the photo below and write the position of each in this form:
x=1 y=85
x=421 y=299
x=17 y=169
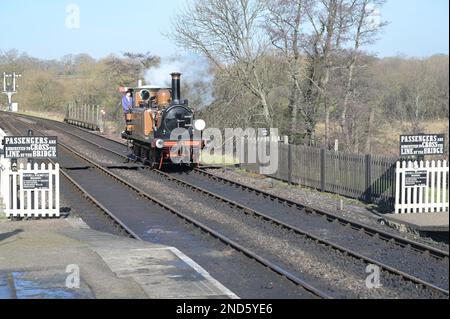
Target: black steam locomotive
x=155 y=122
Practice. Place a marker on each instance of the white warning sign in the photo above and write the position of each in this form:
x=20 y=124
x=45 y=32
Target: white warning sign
x=33 y=147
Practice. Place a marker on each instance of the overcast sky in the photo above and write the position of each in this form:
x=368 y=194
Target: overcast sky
x=417 y=27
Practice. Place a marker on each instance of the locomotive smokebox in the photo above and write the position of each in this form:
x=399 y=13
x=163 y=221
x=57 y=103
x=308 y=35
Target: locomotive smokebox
x=176 y=87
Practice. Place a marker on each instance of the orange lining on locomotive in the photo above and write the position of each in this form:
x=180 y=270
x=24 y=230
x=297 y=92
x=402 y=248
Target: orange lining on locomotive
x=190 y=143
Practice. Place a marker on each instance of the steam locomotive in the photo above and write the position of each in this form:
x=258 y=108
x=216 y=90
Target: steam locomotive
x=154 y=123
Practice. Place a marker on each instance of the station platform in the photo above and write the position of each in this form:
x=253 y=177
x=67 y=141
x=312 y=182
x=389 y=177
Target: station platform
x=426 y=222
x=41 y=259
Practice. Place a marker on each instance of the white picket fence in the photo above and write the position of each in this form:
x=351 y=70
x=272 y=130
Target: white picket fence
x=432 y=198
x=20 y=202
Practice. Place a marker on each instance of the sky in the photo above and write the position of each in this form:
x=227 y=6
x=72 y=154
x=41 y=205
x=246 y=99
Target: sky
x=49 y=29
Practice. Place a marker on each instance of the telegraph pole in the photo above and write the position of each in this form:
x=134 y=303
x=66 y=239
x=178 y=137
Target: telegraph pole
x=10 y=86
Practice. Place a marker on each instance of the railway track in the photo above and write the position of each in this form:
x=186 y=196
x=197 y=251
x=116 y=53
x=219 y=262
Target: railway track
x=86 y=162
x=118 y=151
x=123 y=229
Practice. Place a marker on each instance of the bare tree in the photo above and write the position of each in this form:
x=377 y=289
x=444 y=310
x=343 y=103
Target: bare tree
x=364 y=29
x=228 y=33
x=285 y=27
x=327 y=23
x=143 y=62
x=416 y=94
x=289 y=25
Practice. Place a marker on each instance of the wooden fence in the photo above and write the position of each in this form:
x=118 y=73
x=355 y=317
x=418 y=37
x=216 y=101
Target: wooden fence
x=86 y=116
x=365 y=177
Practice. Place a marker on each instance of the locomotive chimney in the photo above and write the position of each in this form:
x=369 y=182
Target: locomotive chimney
x=176 y=87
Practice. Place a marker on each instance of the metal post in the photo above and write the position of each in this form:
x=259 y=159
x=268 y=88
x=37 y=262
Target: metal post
x=10 y=89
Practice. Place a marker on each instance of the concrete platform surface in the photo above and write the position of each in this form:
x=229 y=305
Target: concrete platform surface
x=428 y=222
x=65 y=259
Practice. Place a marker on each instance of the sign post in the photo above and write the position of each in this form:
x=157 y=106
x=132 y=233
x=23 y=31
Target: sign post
x=10 y=89
x=421 y=185
x=38 y=184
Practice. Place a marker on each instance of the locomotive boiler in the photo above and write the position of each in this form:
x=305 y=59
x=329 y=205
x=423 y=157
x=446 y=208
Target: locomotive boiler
x=161 y=128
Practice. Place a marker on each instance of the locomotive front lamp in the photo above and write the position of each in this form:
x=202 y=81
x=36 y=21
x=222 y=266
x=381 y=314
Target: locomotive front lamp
x=200 y=125
x=159 y=144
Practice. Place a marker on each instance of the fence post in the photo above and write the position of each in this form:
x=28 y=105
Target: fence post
x=103 y=115
x=97 y=121
x=368 y=179
x=398 y=187
x=289 y=164
x=322 y=170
